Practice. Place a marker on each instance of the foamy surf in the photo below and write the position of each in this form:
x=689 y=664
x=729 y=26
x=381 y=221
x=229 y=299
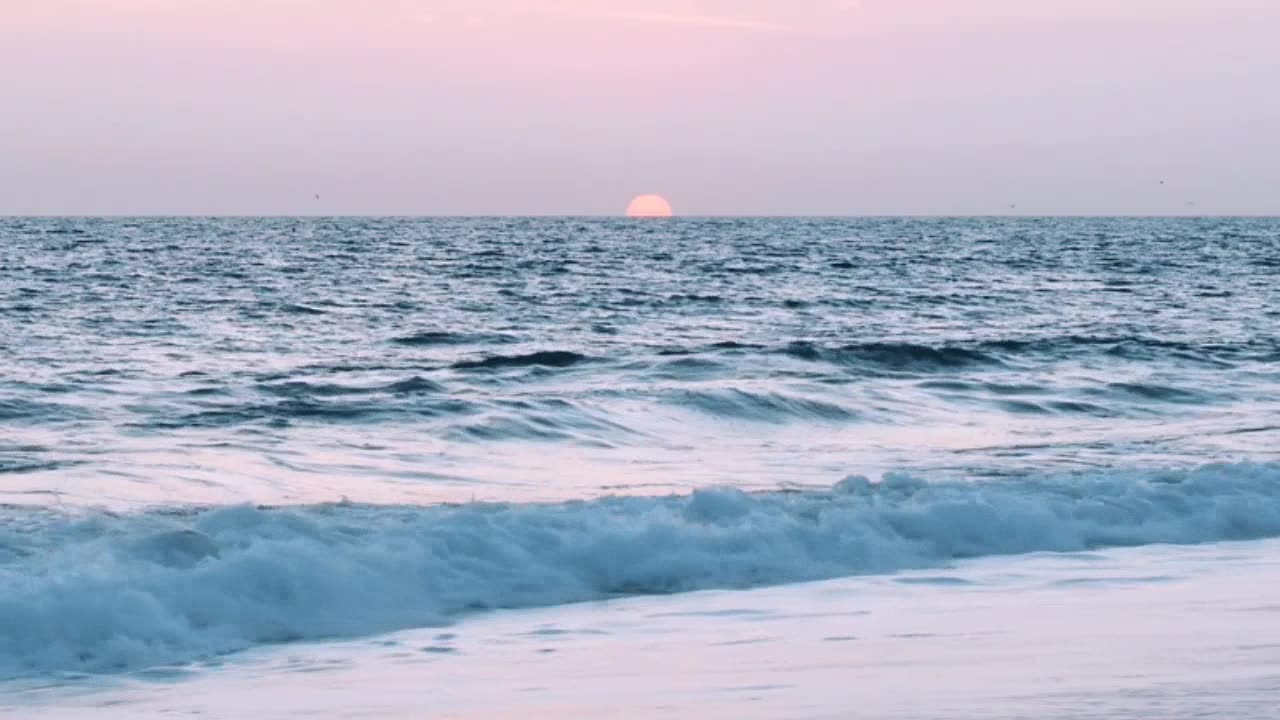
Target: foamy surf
x=108 y=592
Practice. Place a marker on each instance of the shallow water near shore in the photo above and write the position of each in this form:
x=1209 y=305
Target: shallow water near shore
x=1163 y=631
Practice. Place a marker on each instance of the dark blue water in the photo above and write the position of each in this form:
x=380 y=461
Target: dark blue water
x=283 y=360
x=1028 y=384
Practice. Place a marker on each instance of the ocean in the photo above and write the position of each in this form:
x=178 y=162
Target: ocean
x=792 y=467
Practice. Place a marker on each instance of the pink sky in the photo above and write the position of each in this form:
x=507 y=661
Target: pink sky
x=574 y=106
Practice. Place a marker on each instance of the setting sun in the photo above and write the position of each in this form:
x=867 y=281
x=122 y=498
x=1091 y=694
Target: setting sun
x=649 y=206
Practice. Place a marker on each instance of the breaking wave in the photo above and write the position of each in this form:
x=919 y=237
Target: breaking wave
x=106 y=592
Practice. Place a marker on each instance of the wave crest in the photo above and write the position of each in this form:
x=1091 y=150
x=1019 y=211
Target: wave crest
x=542 y=358
x=108 y=592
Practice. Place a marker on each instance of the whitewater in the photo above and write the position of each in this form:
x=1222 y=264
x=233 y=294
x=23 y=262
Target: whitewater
x=458 y=462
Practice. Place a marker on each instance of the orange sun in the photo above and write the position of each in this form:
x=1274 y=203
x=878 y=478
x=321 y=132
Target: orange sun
x=649 y=206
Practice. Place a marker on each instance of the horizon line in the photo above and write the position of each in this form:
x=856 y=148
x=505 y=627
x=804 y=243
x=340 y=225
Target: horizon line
x=589 y=216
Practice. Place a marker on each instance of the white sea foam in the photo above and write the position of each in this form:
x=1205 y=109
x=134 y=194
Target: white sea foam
x=108 y=592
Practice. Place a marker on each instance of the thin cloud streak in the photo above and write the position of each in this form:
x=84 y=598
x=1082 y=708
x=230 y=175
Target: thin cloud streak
x=717 y=22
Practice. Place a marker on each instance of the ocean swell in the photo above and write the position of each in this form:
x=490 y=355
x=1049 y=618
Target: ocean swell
x=105 y=592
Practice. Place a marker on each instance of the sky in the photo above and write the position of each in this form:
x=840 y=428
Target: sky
x=725 y=107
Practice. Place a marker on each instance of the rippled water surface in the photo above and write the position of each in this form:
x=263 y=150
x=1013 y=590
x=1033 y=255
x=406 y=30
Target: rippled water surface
x=218 y=434
x=158 y=361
